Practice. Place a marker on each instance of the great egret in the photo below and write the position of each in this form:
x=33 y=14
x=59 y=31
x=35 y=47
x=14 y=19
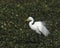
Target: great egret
x=38 y=26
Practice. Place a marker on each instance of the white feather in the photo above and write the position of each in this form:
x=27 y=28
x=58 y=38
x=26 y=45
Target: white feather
x=38 y=27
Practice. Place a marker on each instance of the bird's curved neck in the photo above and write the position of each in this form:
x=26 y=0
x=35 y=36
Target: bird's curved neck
x=31 y=23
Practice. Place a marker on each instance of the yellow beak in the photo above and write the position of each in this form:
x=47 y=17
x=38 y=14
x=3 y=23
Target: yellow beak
x=26 y=20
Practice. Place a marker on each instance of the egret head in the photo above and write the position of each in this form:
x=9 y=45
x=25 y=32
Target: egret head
x=29 y=19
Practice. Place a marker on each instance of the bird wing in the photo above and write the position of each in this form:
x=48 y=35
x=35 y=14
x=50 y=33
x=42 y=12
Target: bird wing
x=42 y=22
x=43 y=30
x=38 y=31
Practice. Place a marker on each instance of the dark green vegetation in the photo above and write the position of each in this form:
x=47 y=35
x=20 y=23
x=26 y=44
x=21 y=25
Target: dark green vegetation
x=15 y=32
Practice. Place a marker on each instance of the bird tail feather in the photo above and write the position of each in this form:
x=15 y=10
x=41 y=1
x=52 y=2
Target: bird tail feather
x=44 y=30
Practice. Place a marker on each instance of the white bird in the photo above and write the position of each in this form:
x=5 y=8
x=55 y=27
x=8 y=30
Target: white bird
x=38 y=26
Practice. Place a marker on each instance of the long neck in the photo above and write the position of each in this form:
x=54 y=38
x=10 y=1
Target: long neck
x=31 y=23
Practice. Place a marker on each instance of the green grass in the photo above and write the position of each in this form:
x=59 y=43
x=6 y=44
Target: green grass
x=15 y=32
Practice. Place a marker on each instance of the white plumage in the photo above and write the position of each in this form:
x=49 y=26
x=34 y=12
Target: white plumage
x=38 y=26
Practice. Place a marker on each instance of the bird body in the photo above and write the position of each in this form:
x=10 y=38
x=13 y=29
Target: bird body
x=35 y=25
x=38 y=26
